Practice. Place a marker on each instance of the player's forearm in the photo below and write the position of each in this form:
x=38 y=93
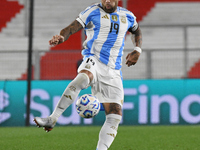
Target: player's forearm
x=138 y=38
x=71 y=29
x=132 y=57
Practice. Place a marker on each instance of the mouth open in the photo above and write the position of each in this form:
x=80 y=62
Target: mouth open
x=108 y=7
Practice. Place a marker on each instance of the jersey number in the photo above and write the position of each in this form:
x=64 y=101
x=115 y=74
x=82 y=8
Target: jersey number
x=114 y=26
x=90 y=60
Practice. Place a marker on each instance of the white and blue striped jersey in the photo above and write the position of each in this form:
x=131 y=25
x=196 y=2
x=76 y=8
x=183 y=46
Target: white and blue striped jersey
x=106 y=33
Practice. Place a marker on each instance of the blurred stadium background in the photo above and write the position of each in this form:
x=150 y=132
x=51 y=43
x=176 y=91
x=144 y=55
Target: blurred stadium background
x=171 y=53
x=163 y=88
x=171 y=35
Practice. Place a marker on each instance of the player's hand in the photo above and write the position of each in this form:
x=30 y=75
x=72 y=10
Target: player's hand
x=132 y=58
x=57 y=39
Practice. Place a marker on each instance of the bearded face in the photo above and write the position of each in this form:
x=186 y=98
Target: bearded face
x=109 y=6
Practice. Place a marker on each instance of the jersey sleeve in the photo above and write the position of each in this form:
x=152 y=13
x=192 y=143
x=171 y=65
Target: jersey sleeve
x=133 y=23
x=84 y=17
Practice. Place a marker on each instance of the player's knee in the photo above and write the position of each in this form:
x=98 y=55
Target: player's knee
x=88 y=73
x=112 y=108
x=81 y=81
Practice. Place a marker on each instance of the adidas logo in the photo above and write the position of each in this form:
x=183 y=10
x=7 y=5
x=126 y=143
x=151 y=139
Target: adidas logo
x=68 y=96
x=106 y=17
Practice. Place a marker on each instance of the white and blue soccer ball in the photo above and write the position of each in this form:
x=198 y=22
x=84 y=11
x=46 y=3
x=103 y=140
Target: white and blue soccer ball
x=87 y=106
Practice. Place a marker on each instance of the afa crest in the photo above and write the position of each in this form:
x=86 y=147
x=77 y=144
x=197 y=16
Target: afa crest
x=114 y=18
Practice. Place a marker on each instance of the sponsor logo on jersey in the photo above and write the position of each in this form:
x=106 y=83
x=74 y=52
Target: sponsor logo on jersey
x=106 y=17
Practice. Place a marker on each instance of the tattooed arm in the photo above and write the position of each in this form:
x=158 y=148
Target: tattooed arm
x=132 y=58
x=65 y=33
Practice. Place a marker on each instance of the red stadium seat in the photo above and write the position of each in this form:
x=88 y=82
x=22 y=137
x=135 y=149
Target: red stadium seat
x=62 y=64
x=8 y=10
x=194 y=71
x=73 y=43
x=59 y=65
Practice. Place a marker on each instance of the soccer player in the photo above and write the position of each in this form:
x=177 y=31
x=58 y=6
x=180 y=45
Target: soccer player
x=105 y=25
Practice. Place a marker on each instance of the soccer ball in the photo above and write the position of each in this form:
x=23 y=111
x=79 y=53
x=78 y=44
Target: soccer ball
x=87 y=106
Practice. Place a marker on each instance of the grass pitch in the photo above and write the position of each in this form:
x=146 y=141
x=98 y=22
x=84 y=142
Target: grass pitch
x=85 y=138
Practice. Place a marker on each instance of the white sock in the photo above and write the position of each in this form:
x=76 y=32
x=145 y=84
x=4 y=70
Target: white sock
x=70 y=94
x=108 y=131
